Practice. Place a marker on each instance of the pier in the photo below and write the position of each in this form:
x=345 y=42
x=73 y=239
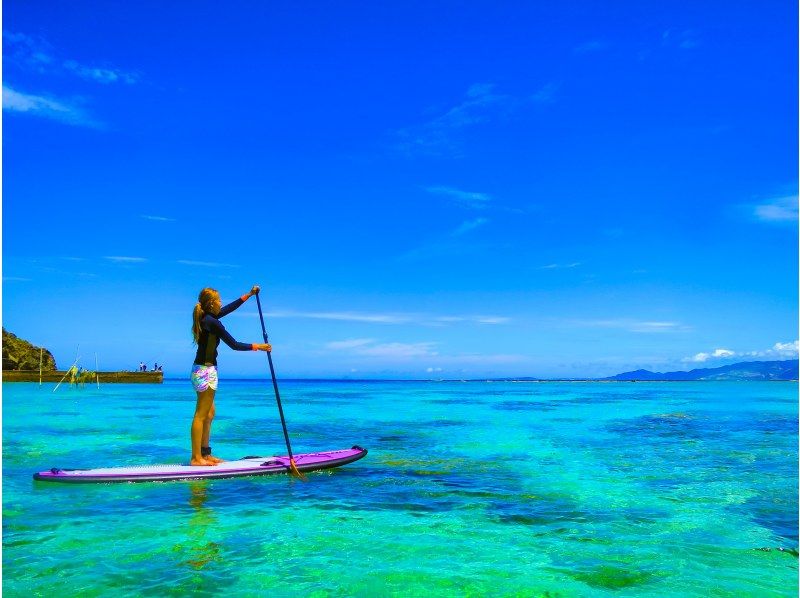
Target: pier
x=105 y=377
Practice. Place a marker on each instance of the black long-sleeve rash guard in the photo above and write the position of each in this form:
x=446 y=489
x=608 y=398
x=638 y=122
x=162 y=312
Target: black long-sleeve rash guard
x=212 y=331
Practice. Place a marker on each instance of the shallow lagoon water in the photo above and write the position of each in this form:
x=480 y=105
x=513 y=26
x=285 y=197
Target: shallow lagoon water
x=470 y=488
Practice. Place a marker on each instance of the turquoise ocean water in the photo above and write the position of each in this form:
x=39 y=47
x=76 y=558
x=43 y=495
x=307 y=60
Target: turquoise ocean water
x=501 y=489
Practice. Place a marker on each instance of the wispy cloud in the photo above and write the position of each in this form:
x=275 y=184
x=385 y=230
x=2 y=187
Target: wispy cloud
x=394 y=318
x=473 y=319
x=346 y=317
x=545 y=94
x=469 y=225
x=436 y=136
x=157 y=218
x=786 y=348
x=472 y=109
x=717 y=353
x=206 y=264
x=560 y=266
x=121 y=259
x=686 y=39
x=480 y=104
x=45 y=107
x=481 y=359
x=632 y=325
x=648 y=327
x=15 y=279
x=449 y=247
x=98 y=74
x=590 y=47
x=372 y=348
x=353 y=343
x=777 y=351
x=779 y=210
x=466 y=199
x=34 y=53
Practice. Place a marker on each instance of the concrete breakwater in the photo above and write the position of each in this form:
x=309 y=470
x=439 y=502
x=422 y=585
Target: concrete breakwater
x=105 y=377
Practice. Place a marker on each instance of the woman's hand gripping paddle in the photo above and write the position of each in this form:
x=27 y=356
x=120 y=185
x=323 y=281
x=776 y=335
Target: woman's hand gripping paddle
x=292 y=465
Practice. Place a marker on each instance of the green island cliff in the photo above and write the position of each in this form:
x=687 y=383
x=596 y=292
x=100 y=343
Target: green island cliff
x=21 y=363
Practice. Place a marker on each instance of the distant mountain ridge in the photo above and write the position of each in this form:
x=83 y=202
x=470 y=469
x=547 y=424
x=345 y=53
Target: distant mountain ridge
x=748 y=370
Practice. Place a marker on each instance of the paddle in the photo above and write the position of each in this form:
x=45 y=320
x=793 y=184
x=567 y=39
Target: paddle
x=292 y=465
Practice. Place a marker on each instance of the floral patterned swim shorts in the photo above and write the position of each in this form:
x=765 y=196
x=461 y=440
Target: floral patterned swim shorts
x=204 y=377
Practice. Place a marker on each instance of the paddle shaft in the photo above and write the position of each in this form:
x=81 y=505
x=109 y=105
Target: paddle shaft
x=274 y=380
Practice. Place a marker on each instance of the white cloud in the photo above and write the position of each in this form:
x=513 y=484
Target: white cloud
x=370 y=348
x=469 y=225
x=388 y=352
x=466 y=199
x=718 y=353
x=590 y=46
x=26 y=51
x=654 y=326
x=642 y=326
x=400 y=350
x=158 y=218
x=125 y=259
x=53 y=109
x=546 y=94
x=492 y=319
x=483 y=359
x=685 y=40
x=786 y=348
x=782 y=209
x=778 y=350
x=479 y=104
x=353 y=343
x=36 y=54
x=100 y=75
x=206 y=264
x=560 y=266
x=472 y=109
x=346 y=317
x=393 y=318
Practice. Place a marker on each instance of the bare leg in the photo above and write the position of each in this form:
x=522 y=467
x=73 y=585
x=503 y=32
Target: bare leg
x=206 y=438
x=207 y=434
x=205 y=402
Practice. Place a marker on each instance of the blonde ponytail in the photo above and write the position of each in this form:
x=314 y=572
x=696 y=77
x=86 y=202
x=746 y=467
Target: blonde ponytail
x=200 y=309
x=197 y=315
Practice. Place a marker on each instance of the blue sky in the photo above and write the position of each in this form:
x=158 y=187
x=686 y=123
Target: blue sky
x=424 y=190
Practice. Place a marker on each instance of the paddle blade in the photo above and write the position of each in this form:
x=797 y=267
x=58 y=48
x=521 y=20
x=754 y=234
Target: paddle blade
x=296 y=472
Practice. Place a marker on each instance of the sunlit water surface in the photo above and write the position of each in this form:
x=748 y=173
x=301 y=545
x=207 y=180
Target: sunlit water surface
x=473 y=488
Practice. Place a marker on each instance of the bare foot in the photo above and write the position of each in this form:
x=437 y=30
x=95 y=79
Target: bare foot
x=201 y=462
x=214 y=460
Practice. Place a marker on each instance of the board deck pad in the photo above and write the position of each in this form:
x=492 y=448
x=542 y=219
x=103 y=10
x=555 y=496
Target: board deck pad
x=246 y=466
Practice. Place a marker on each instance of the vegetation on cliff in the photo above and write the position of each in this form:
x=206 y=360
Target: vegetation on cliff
x=19 y=354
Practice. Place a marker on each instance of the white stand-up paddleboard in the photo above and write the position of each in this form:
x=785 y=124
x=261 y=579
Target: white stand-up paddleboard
x=247 y=466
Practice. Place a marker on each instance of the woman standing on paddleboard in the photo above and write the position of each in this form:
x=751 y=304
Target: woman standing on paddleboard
x=207 y=331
